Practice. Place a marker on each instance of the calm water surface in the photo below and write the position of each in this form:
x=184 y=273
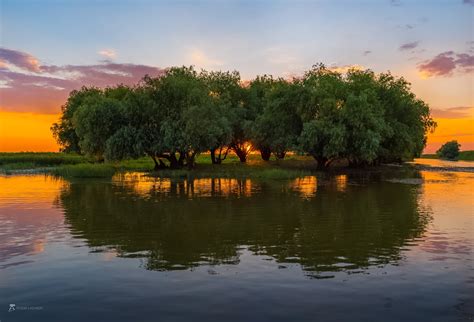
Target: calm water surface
x=391 y=245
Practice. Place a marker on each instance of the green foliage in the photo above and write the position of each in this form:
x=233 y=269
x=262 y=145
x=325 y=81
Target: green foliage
x=86 y=170
x=466 y=155
x=320 y=106
x=64 y=131
x=40 y=159
x=449 y=150
x=277 y=124
x=359 y=117
x=228 y=97
x=123 y=144
x=95 y=121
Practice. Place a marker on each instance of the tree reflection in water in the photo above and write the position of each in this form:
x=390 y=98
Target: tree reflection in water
x=324 y=225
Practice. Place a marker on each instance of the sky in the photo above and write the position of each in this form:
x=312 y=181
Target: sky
x=50 y=47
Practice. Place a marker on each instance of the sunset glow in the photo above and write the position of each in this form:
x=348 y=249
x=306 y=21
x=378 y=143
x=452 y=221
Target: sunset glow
x=40 y=67
x=27 y=132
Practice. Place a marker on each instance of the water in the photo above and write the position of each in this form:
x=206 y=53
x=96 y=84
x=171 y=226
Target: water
x=391 y=245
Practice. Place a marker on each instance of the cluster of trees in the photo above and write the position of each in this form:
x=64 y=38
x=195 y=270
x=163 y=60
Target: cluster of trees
x=449 y=150
x=359 y=116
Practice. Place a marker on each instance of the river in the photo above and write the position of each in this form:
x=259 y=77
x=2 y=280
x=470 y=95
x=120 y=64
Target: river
x=378 y=245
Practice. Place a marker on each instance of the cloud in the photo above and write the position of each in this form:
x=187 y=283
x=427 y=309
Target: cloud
x=453 y=112
x=409 y=46
x=345 y=68
x=367 y=52
x=471 y=2
x=108 y=53
x=470 y=44
x=45 y=90
x=396 y=3
x=19 y=59
x=446 y=63
x=200 y=59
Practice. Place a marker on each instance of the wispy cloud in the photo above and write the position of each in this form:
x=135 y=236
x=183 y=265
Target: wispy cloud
x=201 y=59
x=19 y=59
x=471 y=2
x=409 y=46
x=345 y=68
x=446 y=63
x=453 y=112
x=366 y=52
x=45 y=90
x=108 y=53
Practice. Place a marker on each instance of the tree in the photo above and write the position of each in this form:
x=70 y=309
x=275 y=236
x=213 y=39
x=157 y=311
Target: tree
x=362 y=116
x=256 y=99
x=358 y=116
x=449 y=150
x=225 y=92
x=407 y=118
x=95 y=121
x=207 y=129
x=64 y=131
x=277 y=124
x=320 y=104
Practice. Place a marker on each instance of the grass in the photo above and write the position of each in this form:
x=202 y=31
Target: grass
x=28 y=160
x=86 y=170
x=76 y=166
x=466 y=155
x=463 y=156
x=270 y=171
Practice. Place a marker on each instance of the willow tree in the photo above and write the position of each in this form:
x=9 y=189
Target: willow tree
x=408 y=120
x=277 y=124
x=322 y=96
x=226 y=91
x=64 y=130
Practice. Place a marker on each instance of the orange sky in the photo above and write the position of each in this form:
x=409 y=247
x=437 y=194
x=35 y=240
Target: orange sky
x=31 y=132
x=26 y=132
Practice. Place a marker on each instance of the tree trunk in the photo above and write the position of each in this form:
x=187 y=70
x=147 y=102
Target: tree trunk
x=241 y=154
x=157 y=166
x=190 y=160
x=173 y=161
x=217 y=158
x=213 y=156
x=265 y=153
x=280 y=155
x=182 y=157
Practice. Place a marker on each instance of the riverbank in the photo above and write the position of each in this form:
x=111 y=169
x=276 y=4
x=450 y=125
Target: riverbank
x=293 y=166
x=463 y=156
x=66 y=165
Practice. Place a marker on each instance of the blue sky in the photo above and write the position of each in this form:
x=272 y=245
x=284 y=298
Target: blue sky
x=252 y=36
x=282 y=38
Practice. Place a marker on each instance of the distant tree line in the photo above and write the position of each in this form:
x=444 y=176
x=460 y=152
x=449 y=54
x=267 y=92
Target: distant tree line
x=362 y=117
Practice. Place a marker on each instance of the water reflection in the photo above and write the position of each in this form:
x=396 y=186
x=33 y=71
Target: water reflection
x=26 y=221
x=180 y=224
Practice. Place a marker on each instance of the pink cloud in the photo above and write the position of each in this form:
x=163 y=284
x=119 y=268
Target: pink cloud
x=48 y=88
x=19 y=59
x=446 y=63
x=453 y=112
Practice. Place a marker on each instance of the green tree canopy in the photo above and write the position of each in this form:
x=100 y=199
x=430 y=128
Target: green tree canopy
x=449 y=150
x=359 y=116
